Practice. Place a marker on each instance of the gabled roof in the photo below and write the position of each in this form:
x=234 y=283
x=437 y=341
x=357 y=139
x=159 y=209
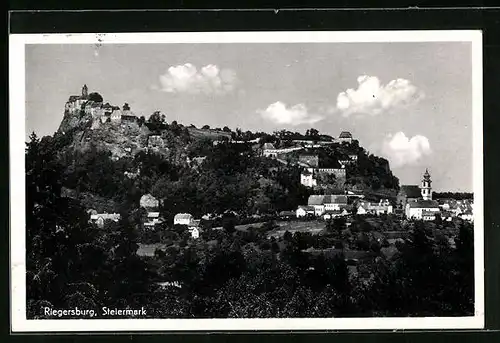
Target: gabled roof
x=334 y=211
x=424 y=204
x=306 y=207
x=179 y=216
x=410 y=191
x=315 y=200
x=269 y=146
x=345 y=134
x=306 y=172
x=335 y=199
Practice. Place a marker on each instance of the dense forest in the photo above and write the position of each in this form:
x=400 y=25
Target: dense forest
x=453 y=195
x=228 y=272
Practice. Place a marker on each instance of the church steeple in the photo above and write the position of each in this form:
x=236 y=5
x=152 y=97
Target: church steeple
x=85 y=92
x=426 y=188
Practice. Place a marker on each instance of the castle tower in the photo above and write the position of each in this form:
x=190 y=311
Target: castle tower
x=426 y=188
x=85 y=92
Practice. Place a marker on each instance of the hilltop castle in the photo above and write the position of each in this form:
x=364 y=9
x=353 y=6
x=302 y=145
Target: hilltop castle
x=100 y=113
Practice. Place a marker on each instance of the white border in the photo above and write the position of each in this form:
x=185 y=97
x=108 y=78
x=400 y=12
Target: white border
x=19 y=323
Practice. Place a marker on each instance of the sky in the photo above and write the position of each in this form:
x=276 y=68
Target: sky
x=408 y=102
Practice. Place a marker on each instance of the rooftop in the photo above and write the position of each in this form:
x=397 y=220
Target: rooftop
x=345 y=134
x=326 y=199
x=183 y=216
x=269 y=146
x=410 y=191
x=424 y=204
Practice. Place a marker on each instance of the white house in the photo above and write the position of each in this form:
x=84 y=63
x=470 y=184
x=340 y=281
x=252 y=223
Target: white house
x=153 y=219
x=335 y=214
x=183 y=219
x=195 y=232
x=382 y=207
x=303 y=211
x=422 y=209
x=100 y=218
x=116 y=116
x=307 y=179
x=335 y=202
x=317 y=202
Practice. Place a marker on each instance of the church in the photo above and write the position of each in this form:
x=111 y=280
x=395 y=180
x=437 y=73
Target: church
x=423 y=208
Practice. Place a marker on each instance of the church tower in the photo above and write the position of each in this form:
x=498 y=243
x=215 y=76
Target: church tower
x=426 y=188
x=85 y=92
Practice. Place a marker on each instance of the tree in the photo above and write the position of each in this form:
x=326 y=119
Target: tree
x=96 y=97
x=228 y=224
x=126 y=107
x=312 y=133
x=206 y=127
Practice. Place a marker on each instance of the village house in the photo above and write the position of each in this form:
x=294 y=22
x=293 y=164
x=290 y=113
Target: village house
x=309 y=176
x=304 y=211
x=151 y=205
x=153 y=219
x=101 y=218
x=307 y=179
x=317 y=202
x=382 y=207
x=183 y=219
x=335 y=214
x=320 y=204
x=408 y=193
x=422 y=210
x=195 y=232
x=345 y=136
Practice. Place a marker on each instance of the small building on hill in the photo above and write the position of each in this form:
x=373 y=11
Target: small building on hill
x=307 y=178
x=269 y=150
x=313 y=177
x=345 y=136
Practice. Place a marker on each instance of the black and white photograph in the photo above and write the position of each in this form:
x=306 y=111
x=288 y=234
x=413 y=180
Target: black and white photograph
x=246 y=181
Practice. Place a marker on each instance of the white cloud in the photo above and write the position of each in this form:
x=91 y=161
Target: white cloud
x=401 y=150
x=294 y=115
x=187 y=78
x=372 y=97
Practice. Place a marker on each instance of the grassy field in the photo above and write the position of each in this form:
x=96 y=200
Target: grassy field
x=313 y=227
